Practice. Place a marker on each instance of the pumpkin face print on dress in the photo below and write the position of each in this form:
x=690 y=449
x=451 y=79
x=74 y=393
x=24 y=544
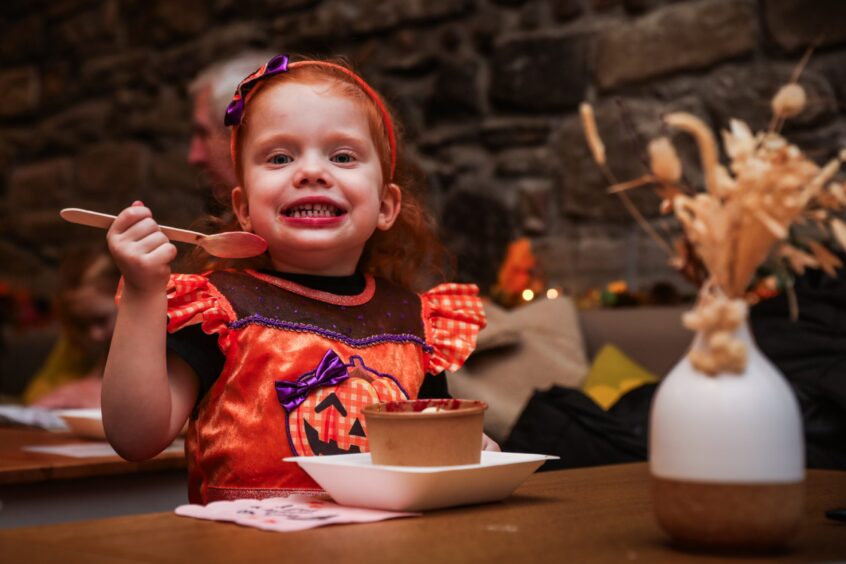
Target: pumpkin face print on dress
x=324 y=406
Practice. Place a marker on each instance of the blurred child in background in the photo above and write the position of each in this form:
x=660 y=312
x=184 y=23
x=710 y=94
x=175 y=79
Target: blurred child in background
x=85 y=306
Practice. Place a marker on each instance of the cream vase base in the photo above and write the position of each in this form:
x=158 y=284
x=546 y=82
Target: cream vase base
x=721 y=516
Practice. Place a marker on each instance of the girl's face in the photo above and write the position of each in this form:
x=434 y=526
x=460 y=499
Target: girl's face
x=313 y=184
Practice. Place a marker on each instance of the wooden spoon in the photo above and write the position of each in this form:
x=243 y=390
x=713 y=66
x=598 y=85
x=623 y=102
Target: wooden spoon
x=229 y=244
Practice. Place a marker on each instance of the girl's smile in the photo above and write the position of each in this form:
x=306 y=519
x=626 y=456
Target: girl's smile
x=314 y=211
x=313 y=185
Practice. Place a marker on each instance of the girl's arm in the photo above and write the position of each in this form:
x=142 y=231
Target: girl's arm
x=146 y=396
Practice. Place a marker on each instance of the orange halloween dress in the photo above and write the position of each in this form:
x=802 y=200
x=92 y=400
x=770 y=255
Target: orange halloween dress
x=300 y=364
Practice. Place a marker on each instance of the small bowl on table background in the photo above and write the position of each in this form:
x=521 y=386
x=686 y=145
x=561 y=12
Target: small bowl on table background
x=425 y=432
x=87 y=423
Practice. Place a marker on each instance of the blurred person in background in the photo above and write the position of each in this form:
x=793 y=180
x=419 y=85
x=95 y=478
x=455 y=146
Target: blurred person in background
x=85 y=306
x=211 y=91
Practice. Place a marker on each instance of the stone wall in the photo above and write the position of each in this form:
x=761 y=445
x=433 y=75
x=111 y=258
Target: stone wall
x=96 y=112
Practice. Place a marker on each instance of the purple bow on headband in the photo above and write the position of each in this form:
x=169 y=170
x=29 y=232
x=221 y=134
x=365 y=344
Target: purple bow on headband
x=330 y=372
x=235 y=110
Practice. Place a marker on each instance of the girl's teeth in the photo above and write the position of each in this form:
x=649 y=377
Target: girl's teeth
x=313 y=210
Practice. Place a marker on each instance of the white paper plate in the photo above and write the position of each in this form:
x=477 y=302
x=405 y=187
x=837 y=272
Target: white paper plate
x=352 y=479
x=83 y=422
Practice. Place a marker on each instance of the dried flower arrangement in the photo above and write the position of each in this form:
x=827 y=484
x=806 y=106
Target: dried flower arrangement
x=743 y=216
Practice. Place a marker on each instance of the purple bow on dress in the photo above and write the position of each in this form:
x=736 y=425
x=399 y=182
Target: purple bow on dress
x=330 y=372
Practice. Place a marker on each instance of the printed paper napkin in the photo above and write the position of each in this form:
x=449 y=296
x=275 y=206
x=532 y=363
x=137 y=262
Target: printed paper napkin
x=294 y=513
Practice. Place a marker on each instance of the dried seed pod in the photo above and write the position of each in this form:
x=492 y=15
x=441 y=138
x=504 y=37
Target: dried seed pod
x=692 y=320
x=838 y=229
x=778 y=230
x=725 y=181
x=789 y=101
x=739 y=141
x=798 y=260
x=597 y=148
x=710 y=316
x=736 y=312
x=827 y=260
x=774 y=142
x=739 y=348
x=818 y=215
x=720 y=340
x=836 y=190
x=704 y=139
x=664 y=161
x=790 y=202
x=703 y=362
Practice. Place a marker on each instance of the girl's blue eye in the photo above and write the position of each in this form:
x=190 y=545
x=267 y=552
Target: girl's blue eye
x=280 y=159
x=343 y=158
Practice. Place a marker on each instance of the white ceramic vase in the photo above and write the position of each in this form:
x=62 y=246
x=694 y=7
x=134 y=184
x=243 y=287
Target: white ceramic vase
x=727 y=455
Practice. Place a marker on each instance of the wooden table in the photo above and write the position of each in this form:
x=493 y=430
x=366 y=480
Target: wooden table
x=39 y=488
x=601 y=514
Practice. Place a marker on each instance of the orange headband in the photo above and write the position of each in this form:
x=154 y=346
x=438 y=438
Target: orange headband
x=280 y=64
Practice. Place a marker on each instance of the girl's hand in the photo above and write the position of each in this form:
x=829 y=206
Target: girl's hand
x=489 y=444
x=142 y=252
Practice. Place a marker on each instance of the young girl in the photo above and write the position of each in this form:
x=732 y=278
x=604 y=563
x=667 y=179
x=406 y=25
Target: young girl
x=326 y=327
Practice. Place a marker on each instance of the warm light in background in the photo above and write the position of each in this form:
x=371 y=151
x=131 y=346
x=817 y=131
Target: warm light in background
x=528 y=295
x=618 y=287
x=552 y=293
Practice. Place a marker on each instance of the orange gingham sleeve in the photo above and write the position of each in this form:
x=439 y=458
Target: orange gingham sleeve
x=191 y=300
x=453 y=315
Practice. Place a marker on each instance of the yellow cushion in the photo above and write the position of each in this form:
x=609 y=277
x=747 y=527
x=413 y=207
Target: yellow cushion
x=66 y=363
x=612 y=374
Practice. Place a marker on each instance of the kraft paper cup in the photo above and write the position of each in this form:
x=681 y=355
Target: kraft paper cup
x=426 y=432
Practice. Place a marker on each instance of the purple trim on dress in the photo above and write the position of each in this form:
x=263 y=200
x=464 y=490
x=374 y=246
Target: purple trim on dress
x=257 y=319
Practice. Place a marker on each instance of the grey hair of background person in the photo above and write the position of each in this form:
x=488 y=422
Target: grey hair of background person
x=223 y=78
